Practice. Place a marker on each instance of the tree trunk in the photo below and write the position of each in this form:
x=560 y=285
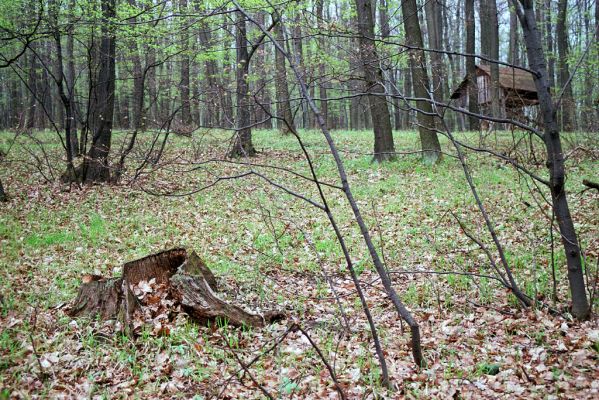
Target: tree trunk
x=490 y=49
x=431 y=148
x=96 y=167
x=284 y=112
x=555 y=160
x=471 y=66
x=184 y=85
x=567 y=101
x=434 y=25
x=32 y=83
x=513 y=56
x=322 y=88
x=71 y=80
x=242 y=140
x=263 y=109
x=299 y=55
x=384 y=148
x=550 y=44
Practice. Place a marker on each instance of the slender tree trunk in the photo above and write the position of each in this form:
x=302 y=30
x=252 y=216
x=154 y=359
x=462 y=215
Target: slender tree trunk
x=474 y=122
x=490 y=49
x=555 y=160
x=299 y=55
x=322 y=88
x=550 y=44
x=384 y=148
x=284 y=112
x=435 y=33
x=263 y=111
x=513 y=56
x=567 y=102
x=71 y=80
x=242 y=140
x=184 y=85
x=96 y=167
x=32 y=83
x=58 y=73
x=431 y=148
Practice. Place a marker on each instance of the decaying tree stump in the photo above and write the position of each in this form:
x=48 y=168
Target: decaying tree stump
x=189 y=281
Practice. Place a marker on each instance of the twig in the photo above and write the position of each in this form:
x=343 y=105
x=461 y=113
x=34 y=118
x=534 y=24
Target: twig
x=325 y=362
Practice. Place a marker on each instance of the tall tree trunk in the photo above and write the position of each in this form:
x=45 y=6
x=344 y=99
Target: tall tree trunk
x=242 y=140
x=96 y=167
x=322 y=88
x=555 y=160
x=550 y=44
x=513 y=56
x=299 y=56
x=184 y=85
x=474 y=122
x=263 y=111
x=567 y=101
x=431 y=148
x=284 y=112
x=58 y=73
x=32 y=83
x=434 y=25
x=152 y=114
x=384 y=148
x=490 y=49
x=71 y=80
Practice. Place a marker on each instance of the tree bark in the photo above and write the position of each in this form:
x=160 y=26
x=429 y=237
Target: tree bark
x=431 y=148
x=555 y=160
x=242 y=140
x=490 y=49
x=384 y=148
x=474 y=122
x=184 y=84
x=71 y=80
x=322 y=88
x=96 y=168
x=513 y=56
x=284 y=112
x=187 y=279
x=434 y=25
x=563 y=50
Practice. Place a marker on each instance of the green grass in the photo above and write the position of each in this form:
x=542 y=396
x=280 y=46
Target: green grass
x=49 y=237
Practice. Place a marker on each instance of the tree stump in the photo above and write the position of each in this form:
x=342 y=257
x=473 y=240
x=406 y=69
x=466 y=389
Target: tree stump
x=188 y=281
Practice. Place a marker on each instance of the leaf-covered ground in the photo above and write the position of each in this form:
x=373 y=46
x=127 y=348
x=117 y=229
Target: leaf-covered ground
x=270 y=249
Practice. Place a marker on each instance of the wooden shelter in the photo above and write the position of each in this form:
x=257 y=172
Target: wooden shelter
x=517 y=90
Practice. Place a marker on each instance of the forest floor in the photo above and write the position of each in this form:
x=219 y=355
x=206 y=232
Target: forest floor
x=271 y=250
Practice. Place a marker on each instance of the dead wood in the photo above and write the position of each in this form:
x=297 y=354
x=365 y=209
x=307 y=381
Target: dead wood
x=590 y=184
x=188 y=280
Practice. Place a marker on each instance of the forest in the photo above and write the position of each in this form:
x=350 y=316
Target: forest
x=246 y=199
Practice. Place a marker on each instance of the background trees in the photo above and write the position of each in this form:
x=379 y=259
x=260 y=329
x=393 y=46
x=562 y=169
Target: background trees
x=195 y=68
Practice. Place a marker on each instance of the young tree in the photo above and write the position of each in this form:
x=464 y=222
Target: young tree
x=555 y=158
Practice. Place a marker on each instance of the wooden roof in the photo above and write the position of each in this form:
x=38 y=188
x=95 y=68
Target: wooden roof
x=509 y=78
